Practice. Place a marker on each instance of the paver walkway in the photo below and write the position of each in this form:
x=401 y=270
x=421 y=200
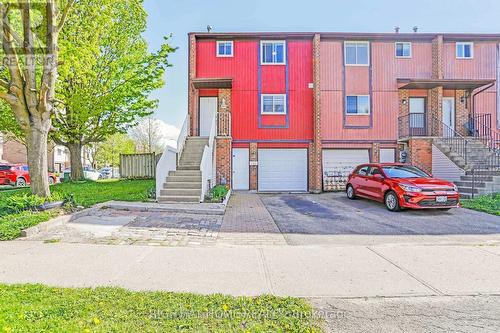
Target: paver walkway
x=110 y=226
x=247 y=222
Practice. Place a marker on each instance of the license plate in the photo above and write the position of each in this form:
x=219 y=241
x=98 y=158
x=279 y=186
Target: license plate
x=441 y=198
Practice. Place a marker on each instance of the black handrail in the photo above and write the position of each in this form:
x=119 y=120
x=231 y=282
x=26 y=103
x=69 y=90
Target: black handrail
x=456 y=141
x=413 y=124
x=480 y=127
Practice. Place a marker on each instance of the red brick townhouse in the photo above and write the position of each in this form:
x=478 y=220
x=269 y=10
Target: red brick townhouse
x=297 y=111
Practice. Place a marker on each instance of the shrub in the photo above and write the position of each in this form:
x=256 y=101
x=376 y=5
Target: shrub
x=21 y=202
x=218 y=193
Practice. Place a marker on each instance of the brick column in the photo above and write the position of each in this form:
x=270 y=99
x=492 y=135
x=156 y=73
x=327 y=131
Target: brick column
x=315 y=149
x=435 y=111
x=192 y=92
x=404 y=111
x=437 y=57
x=224 y=140
x=375 y=152
x=461 y=113
x=253 y=168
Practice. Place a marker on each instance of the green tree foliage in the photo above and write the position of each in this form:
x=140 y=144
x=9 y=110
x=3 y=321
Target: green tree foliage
x=108 y=152
x=107 y=74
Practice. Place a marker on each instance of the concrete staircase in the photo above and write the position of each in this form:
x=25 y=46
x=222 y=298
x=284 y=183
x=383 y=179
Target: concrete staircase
x=477 y=152
x=485 y=181
x=184 y=184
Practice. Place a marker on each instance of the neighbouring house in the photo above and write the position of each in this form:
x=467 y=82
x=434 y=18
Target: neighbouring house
x=298 y=111
x=12 y=151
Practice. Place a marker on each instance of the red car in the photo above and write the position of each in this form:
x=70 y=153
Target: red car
x=401 y=186
x=18 y=175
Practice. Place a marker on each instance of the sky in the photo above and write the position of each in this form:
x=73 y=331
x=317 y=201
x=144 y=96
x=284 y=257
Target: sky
x=178 y=17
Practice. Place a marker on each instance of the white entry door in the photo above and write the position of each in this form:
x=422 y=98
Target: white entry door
x=208 y=109
x=282 y=170
x=448 y=116
x=241 y=169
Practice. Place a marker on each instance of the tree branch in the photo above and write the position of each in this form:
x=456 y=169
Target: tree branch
x=65 y=13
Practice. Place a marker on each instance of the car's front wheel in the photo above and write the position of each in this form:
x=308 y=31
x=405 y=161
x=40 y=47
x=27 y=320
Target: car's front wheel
x=392 y=202
x=350 y=192
x=20 y=182
x=51 y=181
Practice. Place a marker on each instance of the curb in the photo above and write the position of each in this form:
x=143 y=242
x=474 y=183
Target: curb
x=157 y=207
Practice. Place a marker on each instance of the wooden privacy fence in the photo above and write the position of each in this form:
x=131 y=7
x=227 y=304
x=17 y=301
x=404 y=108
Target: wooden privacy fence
x=138 y=165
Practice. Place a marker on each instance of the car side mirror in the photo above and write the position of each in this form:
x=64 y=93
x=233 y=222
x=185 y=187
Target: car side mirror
x=378 y=176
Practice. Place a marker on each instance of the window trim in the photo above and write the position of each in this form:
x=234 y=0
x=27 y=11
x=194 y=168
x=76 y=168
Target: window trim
x=396 y=50
x=471 y=50
x=218 y=55
x=272 y=113
x=367 y=43
x=358 y=114
x=262 y=42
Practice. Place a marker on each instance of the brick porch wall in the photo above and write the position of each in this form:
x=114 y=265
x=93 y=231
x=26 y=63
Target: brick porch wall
x=14 y=152
x=435 y=111
x=420 y=153
x=375 y=152
x=223 y=160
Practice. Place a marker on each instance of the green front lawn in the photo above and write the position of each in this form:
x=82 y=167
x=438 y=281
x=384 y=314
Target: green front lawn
x=37 y=308
x=84 y=194
x=486 y=203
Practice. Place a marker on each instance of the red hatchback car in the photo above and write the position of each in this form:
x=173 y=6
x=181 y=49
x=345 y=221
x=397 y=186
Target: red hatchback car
x=401 y=186
x=18 y=175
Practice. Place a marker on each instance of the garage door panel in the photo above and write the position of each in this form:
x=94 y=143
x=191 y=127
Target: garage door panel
x=282 y=170
x=387 y=155
x=338 y=164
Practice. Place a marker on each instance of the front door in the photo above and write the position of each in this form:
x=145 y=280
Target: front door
x=448 y=116
x=417 y=116
x=208 y=109
x=241 y=169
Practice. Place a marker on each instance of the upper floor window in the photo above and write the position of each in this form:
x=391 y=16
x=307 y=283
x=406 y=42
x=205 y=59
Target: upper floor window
x=224 y=48
x=358 y=104
x=273 y=104
x=465 y=50
x=272 y=52
x=403 y=50
x=356 y=53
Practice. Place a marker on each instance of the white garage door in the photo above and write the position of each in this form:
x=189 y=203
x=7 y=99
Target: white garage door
x=338 y=164
x=387 y=155
x=282 y=170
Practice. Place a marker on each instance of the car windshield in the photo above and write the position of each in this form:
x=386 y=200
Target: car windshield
x=404 y=171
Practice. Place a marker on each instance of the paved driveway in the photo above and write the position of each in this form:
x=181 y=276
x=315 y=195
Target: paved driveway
x=334 y=214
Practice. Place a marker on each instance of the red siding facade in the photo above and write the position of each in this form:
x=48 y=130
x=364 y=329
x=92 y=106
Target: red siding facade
x=250 y=79
x=322 y=96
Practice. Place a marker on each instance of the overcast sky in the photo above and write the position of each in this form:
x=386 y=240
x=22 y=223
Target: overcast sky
x=178 y=17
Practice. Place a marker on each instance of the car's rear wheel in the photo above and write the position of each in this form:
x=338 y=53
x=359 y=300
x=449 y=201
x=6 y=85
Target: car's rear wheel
x=392 y=202
x=20 y=182
x=350 y=192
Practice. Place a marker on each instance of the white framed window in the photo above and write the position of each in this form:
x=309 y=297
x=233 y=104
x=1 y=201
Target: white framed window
x=357 y=53
x=357 y=104
x=273 y=52
x=224 y=48
x=273 y=104
x=403 y=49
x=464 y=50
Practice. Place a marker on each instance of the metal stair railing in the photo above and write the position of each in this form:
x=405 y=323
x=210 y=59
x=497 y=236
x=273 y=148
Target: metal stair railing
x=456 y=141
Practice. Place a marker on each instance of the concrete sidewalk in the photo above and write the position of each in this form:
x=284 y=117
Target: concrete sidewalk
x=314 y=271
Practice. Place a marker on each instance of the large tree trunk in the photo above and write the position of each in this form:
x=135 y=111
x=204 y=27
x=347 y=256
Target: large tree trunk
x=36 y=144
x=75 y=153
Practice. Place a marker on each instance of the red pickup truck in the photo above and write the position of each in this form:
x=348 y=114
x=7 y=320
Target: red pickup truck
x=18 y=175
